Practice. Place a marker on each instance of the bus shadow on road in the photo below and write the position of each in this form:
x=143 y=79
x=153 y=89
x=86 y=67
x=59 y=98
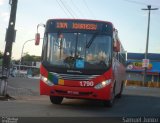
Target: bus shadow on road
x=86 y=103
x=128 y=105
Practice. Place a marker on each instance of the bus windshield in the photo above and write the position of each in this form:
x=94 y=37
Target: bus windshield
x=79 y=50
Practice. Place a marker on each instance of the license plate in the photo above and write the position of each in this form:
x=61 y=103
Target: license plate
x=73 y=92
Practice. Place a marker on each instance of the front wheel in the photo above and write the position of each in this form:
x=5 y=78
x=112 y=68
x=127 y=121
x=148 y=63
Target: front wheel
x=56 y=99
x=109 y=103
x=119 y=95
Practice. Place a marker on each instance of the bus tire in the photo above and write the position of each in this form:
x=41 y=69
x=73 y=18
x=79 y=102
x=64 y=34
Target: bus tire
x=110 y=103
x=119 y=95
x=56 y=99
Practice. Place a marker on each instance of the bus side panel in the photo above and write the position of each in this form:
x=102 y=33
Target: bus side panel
x=119 y=74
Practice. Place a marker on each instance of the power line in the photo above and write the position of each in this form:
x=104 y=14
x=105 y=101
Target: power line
x=62 y=8
x=85 y=3
x=136 y=2
x=67 y=9
x=79 y=11
x=139 y=3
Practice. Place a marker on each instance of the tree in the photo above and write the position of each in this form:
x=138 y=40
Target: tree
x=28 y=59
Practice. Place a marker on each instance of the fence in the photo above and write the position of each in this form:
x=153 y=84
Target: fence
x=140 y=83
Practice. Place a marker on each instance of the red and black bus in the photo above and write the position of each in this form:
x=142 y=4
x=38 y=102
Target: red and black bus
x=81 y=59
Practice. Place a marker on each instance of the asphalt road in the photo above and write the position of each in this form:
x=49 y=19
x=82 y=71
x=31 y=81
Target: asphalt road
x=135 y=102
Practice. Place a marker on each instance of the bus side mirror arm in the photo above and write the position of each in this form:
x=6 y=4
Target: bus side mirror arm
x=37 y=36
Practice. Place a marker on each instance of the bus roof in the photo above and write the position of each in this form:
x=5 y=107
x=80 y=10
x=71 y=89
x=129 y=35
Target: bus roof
x=70 y=19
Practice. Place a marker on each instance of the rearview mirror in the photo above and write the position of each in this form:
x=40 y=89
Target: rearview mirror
x=37 y=38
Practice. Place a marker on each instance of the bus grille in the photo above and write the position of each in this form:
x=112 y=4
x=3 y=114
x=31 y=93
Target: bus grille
x=74 y=77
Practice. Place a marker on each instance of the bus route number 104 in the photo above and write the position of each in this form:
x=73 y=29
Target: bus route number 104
x=86 y=83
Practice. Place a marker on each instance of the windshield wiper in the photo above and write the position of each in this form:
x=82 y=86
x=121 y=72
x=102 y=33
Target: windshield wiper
x=91 y=40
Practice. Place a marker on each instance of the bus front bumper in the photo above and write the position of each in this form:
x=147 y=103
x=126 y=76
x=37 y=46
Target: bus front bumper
x=76 y=92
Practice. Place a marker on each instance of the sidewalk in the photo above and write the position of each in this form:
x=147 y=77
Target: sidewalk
x=34 y=77
x=20 y=87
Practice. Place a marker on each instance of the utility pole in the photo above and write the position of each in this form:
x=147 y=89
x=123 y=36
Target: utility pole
x=10 y=36
x=146 y=52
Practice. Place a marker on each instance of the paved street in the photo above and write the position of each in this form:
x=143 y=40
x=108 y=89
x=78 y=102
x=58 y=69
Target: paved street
x=136 y=101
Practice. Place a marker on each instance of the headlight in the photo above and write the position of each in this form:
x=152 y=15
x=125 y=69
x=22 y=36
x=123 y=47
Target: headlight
x=45 y=80
x=103 y=84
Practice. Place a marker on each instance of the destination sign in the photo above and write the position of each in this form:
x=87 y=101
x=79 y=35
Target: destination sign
x=79 y=26
x=83 y=26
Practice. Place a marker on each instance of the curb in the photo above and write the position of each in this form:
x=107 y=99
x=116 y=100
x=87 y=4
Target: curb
x=2 y=98
x=6 y=98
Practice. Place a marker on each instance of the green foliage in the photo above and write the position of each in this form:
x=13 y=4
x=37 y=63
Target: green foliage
x=28 y=57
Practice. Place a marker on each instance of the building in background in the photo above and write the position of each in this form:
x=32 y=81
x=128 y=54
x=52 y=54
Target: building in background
x=135 y=70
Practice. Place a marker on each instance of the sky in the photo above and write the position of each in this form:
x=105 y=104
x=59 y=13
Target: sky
x=126 y=15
